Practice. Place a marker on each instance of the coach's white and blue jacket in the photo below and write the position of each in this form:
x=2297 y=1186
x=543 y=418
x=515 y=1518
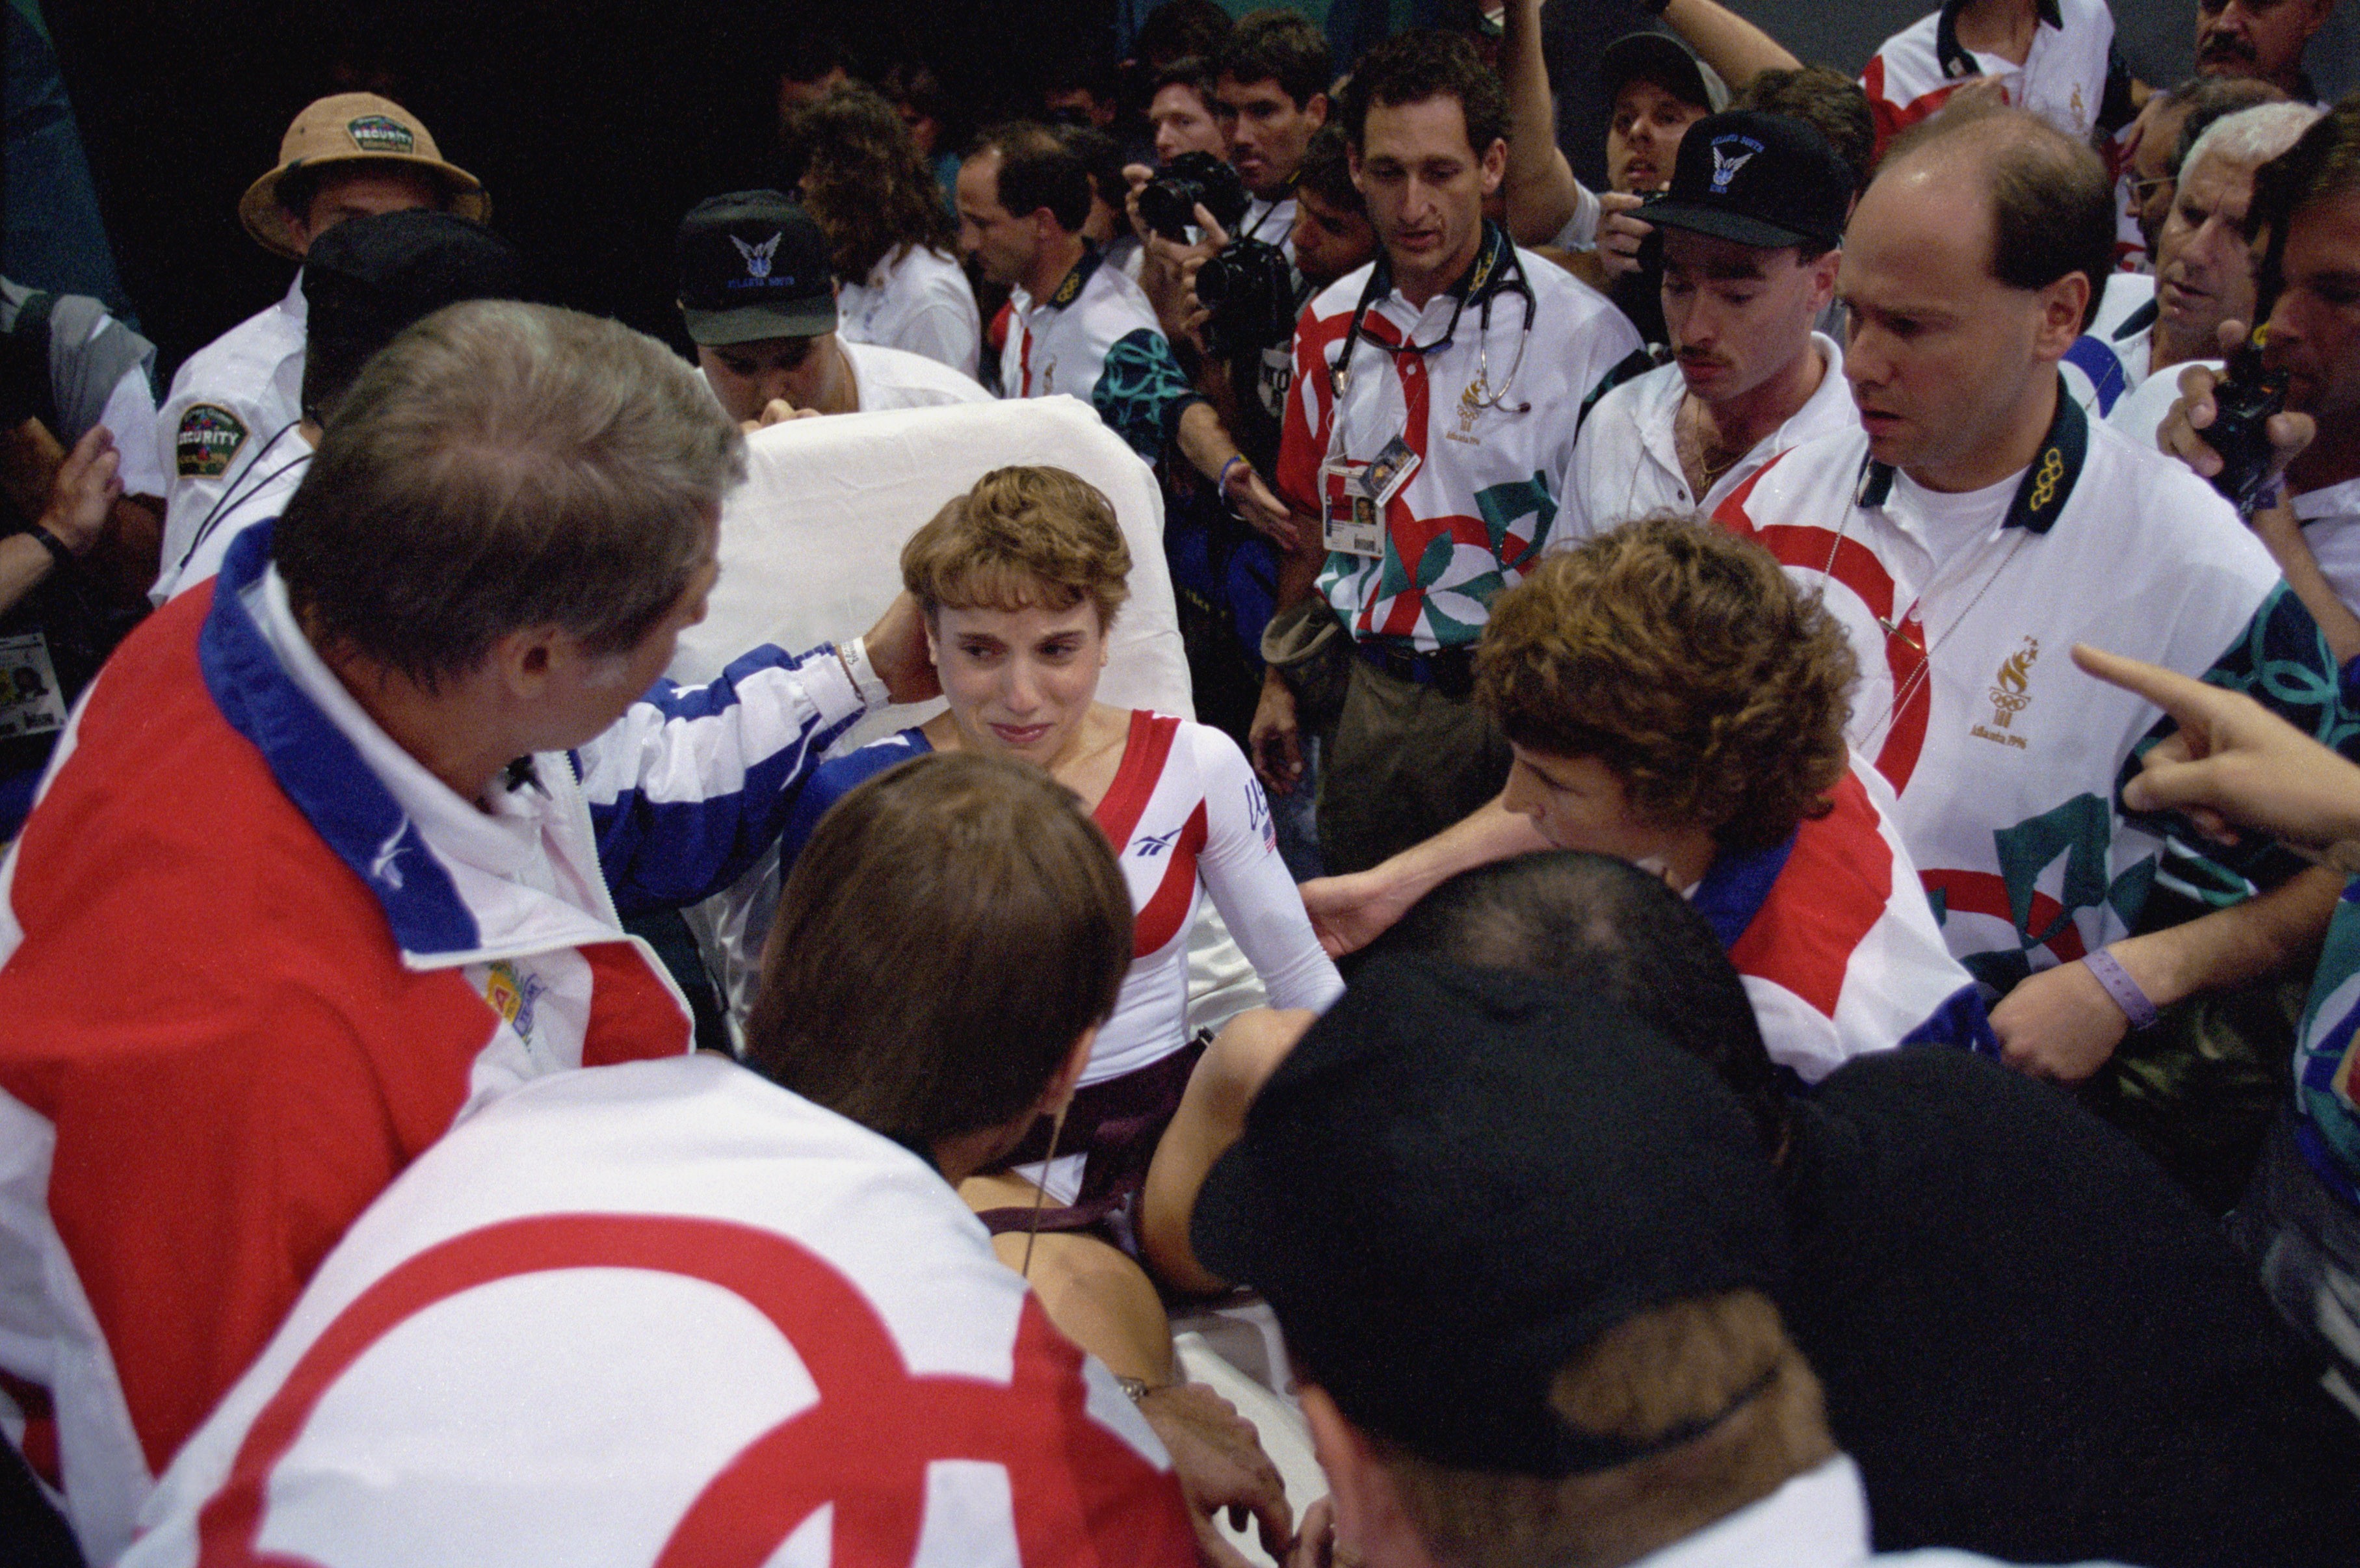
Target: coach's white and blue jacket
x=255 y=959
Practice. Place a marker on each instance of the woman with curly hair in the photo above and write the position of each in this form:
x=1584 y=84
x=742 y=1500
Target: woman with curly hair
x=867 y=186
x=1672 y=698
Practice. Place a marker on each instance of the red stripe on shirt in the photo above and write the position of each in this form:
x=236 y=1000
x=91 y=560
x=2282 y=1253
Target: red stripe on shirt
x=1981 y=893
x=1891 y=118
x=1143 y=751
x=1302 y=438
x=629 y=1007
x=1809 y=547
x=1160 y=918
x=1832 y=892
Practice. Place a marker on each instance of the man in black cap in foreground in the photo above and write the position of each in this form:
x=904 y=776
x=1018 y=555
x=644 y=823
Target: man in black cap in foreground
x=1523 y=1251
x=2029 y=1340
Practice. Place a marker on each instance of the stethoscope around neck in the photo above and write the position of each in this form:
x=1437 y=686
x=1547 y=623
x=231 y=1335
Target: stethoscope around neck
x=1479 y=392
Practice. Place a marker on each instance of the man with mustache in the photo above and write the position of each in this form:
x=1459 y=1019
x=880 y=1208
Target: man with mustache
x=1751 y=227
x=2259 y=37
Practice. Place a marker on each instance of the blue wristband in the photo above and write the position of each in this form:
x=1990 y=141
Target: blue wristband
x=2122 y=988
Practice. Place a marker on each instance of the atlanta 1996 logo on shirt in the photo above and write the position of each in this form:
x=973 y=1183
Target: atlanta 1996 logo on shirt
x=2011 y=693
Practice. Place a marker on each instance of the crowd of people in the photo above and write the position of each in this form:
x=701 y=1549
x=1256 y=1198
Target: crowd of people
x=1778 y=1030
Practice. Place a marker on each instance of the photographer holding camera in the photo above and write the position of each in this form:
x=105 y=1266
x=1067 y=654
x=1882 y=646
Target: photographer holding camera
x=2306 y=217
x=1269 y=95
x=1226 y=539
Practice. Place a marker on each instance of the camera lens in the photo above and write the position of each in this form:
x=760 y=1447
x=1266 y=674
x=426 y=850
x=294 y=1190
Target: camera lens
x=1214 y=284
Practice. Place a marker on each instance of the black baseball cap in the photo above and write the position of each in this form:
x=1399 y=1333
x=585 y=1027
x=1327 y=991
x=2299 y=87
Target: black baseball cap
x=369 y=276
x=1459 y=1179
x=1665 y=61
x=753 y=265
x=1759 y=180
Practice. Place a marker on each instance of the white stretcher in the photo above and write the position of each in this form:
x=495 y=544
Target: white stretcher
x=809 y=552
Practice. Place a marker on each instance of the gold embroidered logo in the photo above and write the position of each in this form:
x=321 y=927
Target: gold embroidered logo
x=2044 y=483
x=1471 y=408
x=2011 y=693
x=2011 y=690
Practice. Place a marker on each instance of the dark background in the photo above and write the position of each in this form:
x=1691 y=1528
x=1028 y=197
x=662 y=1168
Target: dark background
x=596 y=124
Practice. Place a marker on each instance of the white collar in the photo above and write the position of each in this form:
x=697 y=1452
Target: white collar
x=1818 y=1520
x=2338 y=500
x=504 y=844
x=1659 y=433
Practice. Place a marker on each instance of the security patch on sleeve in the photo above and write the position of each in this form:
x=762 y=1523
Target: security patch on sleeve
x=209 y=438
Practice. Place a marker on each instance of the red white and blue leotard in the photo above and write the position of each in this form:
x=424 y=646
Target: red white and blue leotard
x=1187 y=816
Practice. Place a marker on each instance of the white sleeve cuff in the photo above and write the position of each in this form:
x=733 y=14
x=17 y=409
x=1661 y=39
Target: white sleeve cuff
x=865 y=680
x=1581 y=232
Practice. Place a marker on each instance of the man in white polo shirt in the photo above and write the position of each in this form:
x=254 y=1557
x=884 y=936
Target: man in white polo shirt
x=2048 y=56
x=1977 y=525
x=1437 y=391
x=759 y=298
x=1023 y=199
x=1751 y=228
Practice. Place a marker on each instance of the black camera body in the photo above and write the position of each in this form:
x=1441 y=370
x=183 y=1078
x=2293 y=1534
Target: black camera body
x=1168 y=202
x=2243 y=401
x=1248 y=290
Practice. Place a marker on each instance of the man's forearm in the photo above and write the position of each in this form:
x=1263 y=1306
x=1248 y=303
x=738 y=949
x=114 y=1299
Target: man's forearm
x=1539 y=187
x=1204 y=441
x=24 y=562
x=1726 y=41
x=1490 y=833
x=2267 y=933
x=2280 y=531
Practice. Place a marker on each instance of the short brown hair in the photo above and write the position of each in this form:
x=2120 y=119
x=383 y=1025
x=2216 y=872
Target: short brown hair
x=1423 y=63
x=1037 y=169
x=502 y=465
x=950 y=931
x=1689 y=1361
x=2052 y=201
x=1684 y=660
x=1828 y=100
x=1022 y=536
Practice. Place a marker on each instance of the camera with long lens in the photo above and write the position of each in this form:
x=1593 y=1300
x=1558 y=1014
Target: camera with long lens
x=1250 y=291
x=1168 y=202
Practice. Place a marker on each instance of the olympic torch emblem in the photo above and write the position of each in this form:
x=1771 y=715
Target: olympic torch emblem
x=2010 y=691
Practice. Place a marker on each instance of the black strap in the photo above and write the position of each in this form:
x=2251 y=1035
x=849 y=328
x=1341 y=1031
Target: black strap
x=30 y=331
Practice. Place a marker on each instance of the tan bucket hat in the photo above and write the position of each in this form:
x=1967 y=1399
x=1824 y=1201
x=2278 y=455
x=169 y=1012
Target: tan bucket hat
x=346 y=128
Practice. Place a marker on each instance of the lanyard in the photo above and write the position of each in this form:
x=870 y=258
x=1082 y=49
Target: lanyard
x=1510 y=280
